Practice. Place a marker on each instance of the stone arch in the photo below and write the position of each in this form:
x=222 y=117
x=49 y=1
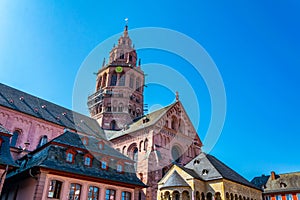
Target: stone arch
x=141 y=145
x=185 y=195
x=236 y=197
x=113 y=125
x=198 y=196
x=202 y=196
x=217 y=196
x=240 y=197
x=124 y=150
x=146 y=144
x=231 y=196
x=167 y=195
x=227 y=196
x=209 y=196
x=176 y=153
x=175 y=195
x=104 y=78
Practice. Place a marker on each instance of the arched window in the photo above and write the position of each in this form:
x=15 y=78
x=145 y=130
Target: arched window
x=146 y=144
x=129 y=109
x=209 y=196
x=113 y=125
x=113 y=81
x=131 y=81
x=122 y=80
x=174 y=123
x=140 y=146
x=104 y=80
x=218 y=196
x=14 y=138
x=99 y=83
x=120 y=107
x=176 y=154
x=185 y=195
x=123 y=150
x=138 y=84
x=198 y=197
x=176 y=195
x=122 y=56
x=43 y=140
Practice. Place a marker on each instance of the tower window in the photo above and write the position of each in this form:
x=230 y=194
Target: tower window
x=131 y=81
x=122 y=80
x=138 y=84
x=113 y=81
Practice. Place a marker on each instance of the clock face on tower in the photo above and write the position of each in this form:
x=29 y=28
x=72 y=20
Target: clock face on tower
x=119 y=69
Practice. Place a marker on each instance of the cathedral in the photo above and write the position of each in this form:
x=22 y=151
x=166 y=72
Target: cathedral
x=51 y=152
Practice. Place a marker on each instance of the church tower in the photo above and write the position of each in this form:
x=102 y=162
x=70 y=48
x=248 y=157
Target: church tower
x=118 y=98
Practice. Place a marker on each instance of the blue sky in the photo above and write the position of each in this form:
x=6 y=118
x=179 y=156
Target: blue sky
x=255 y=45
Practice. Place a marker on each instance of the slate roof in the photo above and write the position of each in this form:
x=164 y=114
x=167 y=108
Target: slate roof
x=5 y=156
x=138 y=123
x=75 y=140
x=50 y=156
x=4 y=130
x=216 y=170
x=260 y=181
x=175 y=180
x=281 y=183
x=45 y=110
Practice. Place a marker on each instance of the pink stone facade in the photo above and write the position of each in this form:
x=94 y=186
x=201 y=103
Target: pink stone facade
x=30 y=129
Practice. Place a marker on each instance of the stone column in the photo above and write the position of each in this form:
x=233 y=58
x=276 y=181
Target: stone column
x=84 y=191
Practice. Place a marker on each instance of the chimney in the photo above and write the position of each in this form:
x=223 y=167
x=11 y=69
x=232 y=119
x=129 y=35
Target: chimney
x=272 y=175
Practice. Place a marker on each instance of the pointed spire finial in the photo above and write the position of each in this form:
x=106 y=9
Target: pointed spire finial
x=103 y=63
x=177 y=96
x=126 y=28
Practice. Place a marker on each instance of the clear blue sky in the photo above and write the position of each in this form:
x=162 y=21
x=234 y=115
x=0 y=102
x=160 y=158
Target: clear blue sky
x=255 y=45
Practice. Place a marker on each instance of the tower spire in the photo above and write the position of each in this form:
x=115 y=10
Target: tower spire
x=126 y=27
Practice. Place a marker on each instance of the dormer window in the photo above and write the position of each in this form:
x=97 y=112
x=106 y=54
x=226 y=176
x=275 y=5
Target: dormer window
x=119 y=168
x=204 y=172
x=103 y=165
x=70 y=155
x=85 y=141
x=87 y=161
x=101 y=145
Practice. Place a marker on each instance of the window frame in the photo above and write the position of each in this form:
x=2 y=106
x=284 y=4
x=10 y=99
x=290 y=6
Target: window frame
x=55 y=190
x=110 y=193
x=93 y=196
x=75 y=195
x=73 y=153
x=124 y=195
x=88 y=156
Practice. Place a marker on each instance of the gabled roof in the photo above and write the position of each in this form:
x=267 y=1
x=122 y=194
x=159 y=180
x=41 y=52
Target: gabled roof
x=138 y=124
x=209 y=168
x=175 y=180
x=45 y=110
x=52 y=156
x=280 y=183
